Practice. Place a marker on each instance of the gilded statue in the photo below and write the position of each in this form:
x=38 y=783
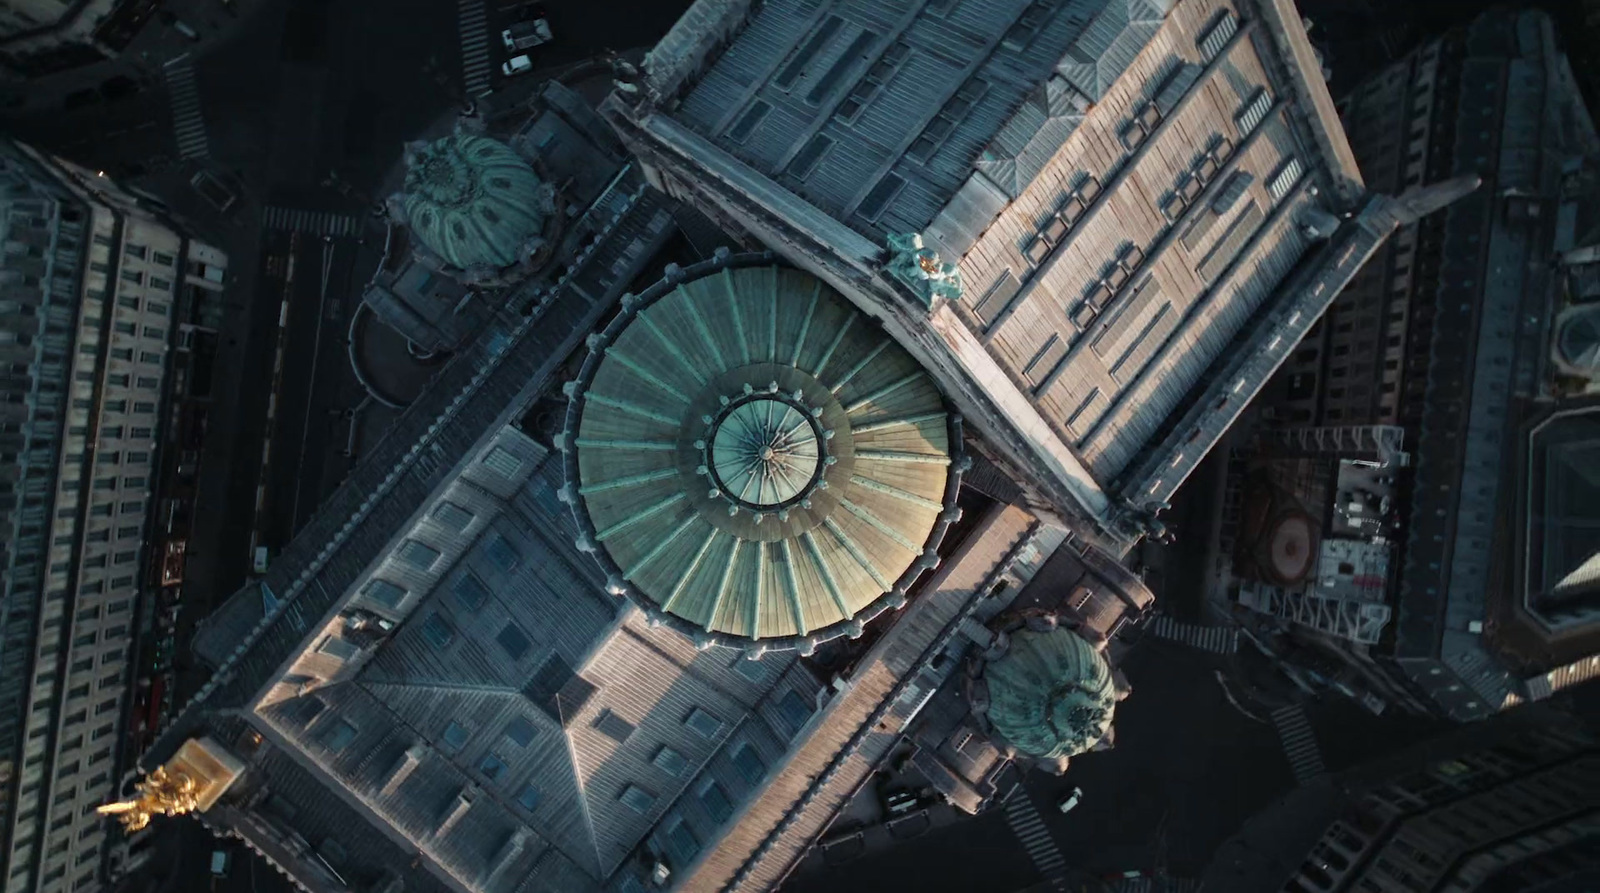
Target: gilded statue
x=163 y=792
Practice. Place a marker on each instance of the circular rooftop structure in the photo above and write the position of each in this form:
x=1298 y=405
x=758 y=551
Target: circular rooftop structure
x=754 y=462
x=1577 y=341
x=473 y=201
x=1050 y=695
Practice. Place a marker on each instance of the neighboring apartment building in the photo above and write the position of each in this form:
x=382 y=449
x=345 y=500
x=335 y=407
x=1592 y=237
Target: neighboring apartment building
x=1471 y=331
x=90 y=281
x=1506 y=804
x=40 y=37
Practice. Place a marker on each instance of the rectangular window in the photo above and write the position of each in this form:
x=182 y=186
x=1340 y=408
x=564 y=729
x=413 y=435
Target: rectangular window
x=502 y=554
x=502 y=462
x=165 y=260
x=520 y=731
x=437 y=630
x=417 y=554
x=337 y=735
x=682 y=845
x=134 y=276
x=795 y=710
x=669 y=761
x=148 y=356
x=514 y=641
x=613 y=726
x=128 y=302
x=454 y=738
x=637 y=798
x=453 y=516
x=878 y=199
x=529 y=798
x=703 y=723
x=749 y=764
x=748 y=122
x=715 y=801
x=470 y=592
x=492 y=766
x=384 y=593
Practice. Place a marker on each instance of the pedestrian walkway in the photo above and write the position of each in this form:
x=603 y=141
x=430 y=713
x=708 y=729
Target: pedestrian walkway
x=474 y=46
x=184 y=95
x=1025 y=822
x=1154 y=885
x=1299 y=742
x=1221 y=639
x=318 y=223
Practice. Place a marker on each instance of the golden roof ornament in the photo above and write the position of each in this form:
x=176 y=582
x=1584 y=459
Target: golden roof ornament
x=162 y=793
x=921 y=268
x=192 y=781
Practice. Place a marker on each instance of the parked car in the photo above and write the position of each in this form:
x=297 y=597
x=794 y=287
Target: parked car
x=213 y=190
x=526 y=35
x=516 y=65
x=1070 y=800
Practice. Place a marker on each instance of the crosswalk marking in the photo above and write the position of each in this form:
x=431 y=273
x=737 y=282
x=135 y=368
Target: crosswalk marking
x=475 y=64
x=1299 y=742
x=1029 y=828
x=1221 y=639
x=184 y=95
x=320 y=223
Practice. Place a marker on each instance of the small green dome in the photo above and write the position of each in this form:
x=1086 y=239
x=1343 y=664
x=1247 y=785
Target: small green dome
x=1050 y=694
x=473 y=201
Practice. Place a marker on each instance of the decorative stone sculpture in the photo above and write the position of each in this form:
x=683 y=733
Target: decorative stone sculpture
x=921 y=269
x=192 y=781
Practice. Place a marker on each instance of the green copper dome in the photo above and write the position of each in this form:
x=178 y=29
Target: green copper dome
x=473 y=201
x=1050 y=694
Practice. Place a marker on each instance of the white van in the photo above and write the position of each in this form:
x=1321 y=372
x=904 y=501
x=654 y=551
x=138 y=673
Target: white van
x=516 y=65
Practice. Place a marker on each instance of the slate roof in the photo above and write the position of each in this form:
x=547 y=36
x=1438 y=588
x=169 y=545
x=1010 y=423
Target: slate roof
x=756 y=459
x=1126 y=185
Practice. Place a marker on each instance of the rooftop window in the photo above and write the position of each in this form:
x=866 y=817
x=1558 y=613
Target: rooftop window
x=384 y=593
x=453 y=516
x=520 y=731
x=669 y=761
x=338 y=648
x=715 y=801
x=794 y=710
x=703 y=723
x=419 y=555
x=637 y=798
x=337 y=735
x=470 y=592
x=613 y=726
x=437 y=630
x=502 y=462
x=529 y=798
x=514 y=641
x=492 y=766
x=454 y=737
x=749 y=763
x=502 y=554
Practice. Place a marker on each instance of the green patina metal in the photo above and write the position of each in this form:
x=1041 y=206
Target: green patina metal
x=474 y=202
x=1050 y=694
